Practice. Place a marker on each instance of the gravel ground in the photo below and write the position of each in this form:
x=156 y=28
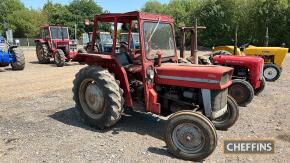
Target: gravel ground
x=38 y=122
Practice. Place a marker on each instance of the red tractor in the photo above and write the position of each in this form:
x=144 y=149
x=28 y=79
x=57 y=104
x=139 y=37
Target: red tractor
x=247 y=78
x=54 y=43
x=150 y=79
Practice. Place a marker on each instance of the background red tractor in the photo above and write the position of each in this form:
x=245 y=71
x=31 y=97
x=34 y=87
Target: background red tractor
x=248 y=71
x=248 y=79
x=54 y=43
x=151 y=79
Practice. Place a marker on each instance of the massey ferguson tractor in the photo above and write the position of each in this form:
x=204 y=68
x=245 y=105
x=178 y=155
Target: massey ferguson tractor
x=54 y=43
x=247 y=78
x=12 y=56
x=195 y=97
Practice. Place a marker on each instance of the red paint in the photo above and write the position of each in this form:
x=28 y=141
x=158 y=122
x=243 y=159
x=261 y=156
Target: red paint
x=54 y=44
x=110 y=62
x=253 y=64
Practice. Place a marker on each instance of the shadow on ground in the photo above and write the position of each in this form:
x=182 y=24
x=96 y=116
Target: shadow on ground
x=7 y=69
x=141 y=123
x=52 y=64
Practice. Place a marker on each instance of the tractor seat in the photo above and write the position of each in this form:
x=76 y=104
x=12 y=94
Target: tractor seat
x=127 y=63
x=124 y=59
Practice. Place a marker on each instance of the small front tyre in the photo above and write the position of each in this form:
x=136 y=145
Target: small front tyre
x=262 y=86
x=230 y=117
x=190 y=136
x=59 y=58
x=242 y=91
x=271 y=72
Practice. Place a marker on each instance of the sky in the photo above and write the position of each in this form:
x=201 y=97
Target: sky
x=110 y=5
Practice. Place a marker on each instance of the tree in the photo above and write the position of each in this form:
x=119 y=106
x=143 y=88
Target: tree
x=153 y=6
x=72 y=14
x=21 y=20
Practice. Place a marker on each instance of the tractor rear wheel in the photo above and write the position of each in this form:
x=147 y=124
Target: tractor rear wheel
x=59 y=58
x=242 y=91
x=42 y=53
x=271 y=72
x=262 y=86
x=98 y=96
x=230 y=117
x=19 y=63
x=190 y=136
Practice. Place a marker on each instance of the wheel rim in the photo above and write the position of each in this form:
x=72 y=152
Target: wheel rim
x=270 y=73
x=188 y=138
x=239 y=92
x=91 y=98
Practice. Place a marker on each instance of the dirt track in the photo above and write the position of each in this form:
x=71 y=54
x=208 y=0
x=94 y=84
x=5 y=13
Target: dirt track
x=38 y=122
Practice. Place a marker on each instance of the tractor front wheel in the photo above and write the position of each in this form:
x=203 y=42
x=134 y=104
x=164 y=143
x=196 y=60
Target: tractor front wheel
x=59 y=58
x=242 y=91
x=271 y=72
x=262 y=86
x=230 y=117
x=19 y=60
x=42 y=53
x=98 y=96
x=190 y=136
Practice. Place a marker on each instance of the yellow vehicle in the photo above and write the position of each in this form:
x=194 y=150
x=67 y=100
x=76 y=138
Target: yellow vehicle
x=273 y=57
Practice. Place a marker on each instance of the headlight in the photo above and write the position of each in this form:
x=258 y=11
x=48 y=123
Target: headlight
x=225 y=78
x=150 y=74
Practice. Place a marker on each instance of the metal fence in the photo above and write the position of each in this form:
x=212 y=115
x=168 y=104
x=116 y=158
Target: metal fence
x=30 y=41
x=24 y=41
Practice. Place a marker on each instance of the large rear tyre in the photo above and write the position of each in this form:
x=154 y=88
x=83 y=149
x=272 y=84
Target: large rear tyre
x=262 y=86
x=242 y=91
x=190 y=136
x=19 y=58
x=272 y=72
x=98 y=96
x=42 y=53
x=230 y=117
x=59 y=58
